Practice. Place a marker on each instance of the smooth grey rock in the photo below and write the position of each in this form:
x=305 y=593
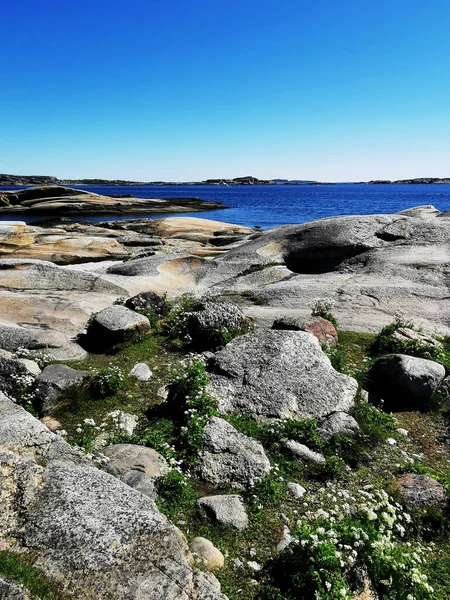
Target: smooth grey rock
x=227 y=510
x=141 y=371
x=40 y=342
x=230 y=457
x=404 y=381
x=304 y=454
x=338 y=423
x=137 y=466
x=206 y=554
x=115 y=325
x=296 y=490
x=32 y=367
x=53 y=380
x=421 y=492
x=279 y=374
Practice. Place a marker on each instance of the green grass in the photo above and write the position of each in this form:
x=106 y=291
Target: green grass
x=16 y=567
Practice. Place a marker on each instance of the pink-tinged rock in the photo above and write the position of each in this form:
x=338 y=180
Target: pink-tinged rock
x=421 y=492
x=321 y=328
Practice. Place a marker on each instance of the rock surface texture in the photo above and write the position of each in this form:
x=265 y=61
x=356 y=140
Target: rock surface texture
x=231 y=457
x=421 y=492
x=279 y=374
x=227 y=510
x=54 y=380
x=115 y=325
x=84 y=528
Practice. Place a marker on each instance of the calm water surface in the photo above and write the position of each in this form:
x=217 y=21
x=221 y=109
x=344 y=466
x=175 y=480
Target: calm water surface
x=269 y=206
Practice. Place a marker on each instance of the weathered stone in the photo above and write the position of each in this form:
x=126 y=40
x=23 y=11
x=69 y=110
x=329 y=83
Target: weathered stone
x=53 y=380
x=304 y=454
x=421 y=492
x=296 y=490
x=83 y=527
x=404 y=381
x=137 y=466
x=148 y=301
x=141 y=371
x=338 y=423
x=279 y=374
x=206 y=554
x=210 y=319
x=40 y=342
x=321 y=328
x=230 y=457
x=115 y=325
x=32 y=367
x=227 y=510
x=10 y=590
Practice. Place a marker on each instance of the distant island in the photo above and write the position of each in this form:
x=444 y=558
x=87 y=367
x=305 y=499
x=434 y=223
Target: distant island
x=18 y=180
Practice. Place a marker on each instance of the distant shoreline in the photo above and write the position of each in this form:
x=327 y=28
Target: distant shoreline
x=19 y=180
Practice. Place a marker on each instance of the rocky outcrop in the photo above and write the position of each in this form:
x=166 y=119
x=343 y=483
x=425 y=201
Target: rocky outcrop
x=83 y=528
x=404 y=381
x=230 y=457
x=58 y=200
x=279 y=374
x=38 y=342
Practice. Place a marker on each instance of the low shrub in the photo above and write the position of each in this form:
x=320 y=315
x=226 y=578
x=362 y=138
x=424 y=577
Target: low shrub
x=106 y=382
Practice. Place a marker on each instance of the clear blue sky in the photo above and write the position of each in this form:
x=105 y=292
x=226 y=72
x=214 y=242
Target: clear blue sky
x=189 y=89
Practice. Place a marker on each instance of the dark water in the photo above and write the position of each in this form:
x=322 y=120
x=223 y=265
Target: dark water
x=269 y=206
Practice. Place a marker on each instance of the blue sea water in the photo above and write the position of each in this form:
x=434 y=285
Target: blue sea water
x=272 y=205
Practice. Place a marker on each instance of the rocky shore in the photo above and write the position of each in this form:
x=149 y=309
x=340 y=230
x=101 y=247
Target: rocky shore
x=60 y=201
x=193 y=410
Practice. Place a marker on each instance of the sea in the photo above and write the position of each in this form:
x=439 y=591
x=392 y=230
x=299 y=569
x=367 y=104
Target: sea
x=268 y=206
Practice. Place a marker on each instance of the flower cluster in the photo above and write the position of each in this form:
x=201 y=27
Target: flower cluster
x=321 y=306
x=105 y=382
x=22 y=389
x=341 y=531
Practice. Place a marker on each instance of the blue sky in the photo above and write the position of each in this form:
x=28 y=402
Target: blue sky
x=185 y=90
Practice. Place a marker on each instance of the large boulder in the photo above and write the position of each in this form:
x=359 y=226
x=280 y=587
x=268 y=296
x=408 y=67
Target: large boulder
x=230 y=457
x=404 y=381
x=54 y=380
x=137 y=466
x=279 y=374
x=421 y=492
x=84 y=529
x=115 y=325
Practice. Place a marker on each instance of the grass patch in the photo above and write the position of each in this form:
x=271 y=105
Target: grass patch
x=16 y=567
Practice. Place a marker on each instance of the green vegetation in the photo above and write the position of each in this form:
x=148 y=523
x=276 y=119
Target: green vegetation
x=348 y=506
x=16 y=567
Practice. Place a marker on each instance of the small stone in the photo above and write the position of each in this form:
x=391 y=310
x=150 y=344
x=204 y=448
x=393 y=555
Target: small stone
x=254 y=565
x=163 y=393
x=238 y=564
x=141 y=371
x=206 y=554
x=296 y=490
x=303 y=454
x=391 y=441
x=339 y=423
x=402 y=431
x=51 y=423
x=285 y=540
x=226 y=509
x=32 y=366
